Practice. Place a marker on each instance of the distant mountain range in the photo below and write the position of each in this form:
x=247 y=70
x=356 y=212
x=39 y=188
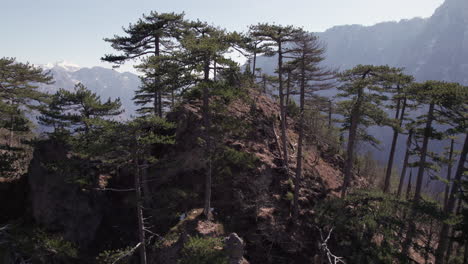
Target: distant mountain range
x=105 y=82
x=434 y=48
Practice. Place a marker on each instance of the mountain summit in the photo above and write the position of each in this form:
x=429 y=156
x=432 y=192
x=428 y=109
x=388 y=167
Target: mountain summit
x=64 y=65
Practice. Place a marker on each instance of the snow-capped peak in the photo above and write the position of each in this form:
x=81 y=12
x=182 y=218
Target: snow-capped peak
x=66 y=65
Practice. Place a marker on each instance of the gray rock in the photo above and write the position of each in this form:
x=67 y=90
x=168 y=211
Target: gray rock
x=234 y=246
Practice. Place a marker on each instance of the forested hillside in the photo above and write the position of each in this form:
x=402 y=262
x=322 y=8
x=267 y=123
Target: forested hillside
x=230 y=164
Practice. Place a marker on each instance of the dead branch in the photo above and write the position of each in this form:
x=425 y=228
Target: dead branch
x=129 y=253
x=332 y=259
x=114 y=190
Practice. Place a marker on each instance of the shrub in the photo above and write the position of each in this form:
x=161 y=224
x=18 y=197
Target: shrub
x=111 y=256
x=200 y=250
x=37 y=245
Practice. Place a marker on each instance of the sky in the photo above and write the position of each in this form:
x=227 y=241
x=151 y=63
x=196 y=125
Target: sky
x=48 y=31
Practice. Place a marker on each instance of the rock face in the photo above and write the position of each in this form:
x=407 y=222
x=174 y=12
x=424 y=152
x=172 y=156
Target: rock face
x=57 y=203
x=234 y=246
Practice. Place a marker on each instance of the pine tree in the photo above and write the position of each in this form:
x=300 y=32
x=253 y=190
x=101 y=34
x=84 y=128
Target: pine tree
x=206 y=49
x=405 y=161
x=397 y=83
x=131 y=144
x=362 y=86
x=80 y=113
x=278 y=37
x=309 y=53
x=449 y=162
x=266 y=81
x=174 y=77
x=256 y=47
x=452 y=101
x=19 y=95
x=444 y=100
x=153 y=35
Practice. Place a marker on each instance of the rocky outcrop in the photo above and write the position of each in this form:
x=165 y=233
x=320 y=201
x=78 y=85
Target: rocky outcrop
x=251 y=191
x=58 y=203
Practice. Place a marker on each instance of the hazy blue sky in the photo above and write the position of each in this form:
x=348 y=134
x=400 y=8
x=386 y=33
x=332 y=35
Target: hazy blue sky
x=42 y=31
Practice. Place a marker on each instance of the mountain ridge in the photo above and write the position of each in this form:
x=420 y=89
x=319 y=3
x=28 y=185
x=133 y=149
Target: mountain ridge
x=433 y=48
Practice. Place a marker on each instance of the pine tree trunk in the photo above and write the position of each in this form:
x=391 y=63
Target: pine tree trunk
x=145 y=184
x=12 y=128
x=157 y=93
x=408 y=188
x=419 y=180
x=443 y=238
x=288 y=90
x=428 y=243
x=422 y=161
x=452 y=235
x=282 y=109
x=155 y=99
x=254 y=62
x=330 y=112
x=207 y=125
x=172 y=99
x=449 y=173
x=405 y=163
x=215 y=71
x=141 y=224
x=465 y=255
x=391 y=157
x=355 y=113
x=160 y=104
x=297 y=180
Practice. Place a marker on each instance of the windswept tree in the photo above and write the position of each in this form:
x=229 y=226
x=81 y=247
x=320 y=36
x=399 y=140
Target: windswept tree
x=308 y=54
x=278 y=38
x=362 y=88
x=153 y=35
x=19 y=94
